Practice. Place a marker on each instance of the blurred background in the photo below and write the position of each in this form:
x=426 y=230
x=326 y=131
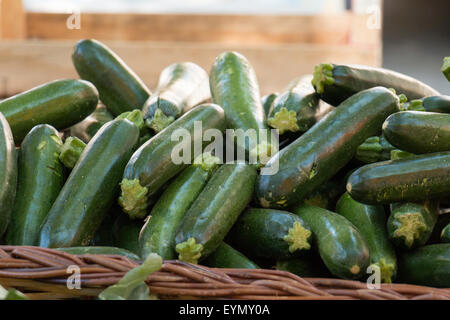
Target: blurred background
x=282 y=38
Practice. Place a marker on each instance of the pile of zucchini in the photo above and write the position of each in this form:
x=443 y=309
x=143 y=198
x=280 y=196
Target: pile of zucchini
x=362 y=186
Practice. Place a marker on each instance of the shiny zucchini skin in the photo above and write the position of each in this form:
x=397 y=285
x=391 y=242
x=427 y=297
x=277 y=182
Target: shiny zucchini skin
x=267 y=101
x=341 y=246
x=8 y=173
x=416 y=178
x=60 y=103
x=41 y=177
x=298 y=108
x=120 y=89
x=418 y=132
x=428 y=266
x=91 y=188
x=158 y=233
x=439 y=104
x=371 y=223
x=103 y=250
x=87 y=128
x=126 y=233
x=181 y=87
x=410 y=224
x=335 y=83
x=318 y=154
x=215 y=210
x=227 y=257
x=151 y=165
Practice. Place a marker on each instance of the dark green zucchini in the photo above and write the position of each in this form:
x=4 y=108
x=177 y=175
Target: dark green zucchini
x=105 y=250
x=445 y=234
x=158 y=233
x=427 y=266
x=442 y=221
x=439 y=104
x=235 y=88
x=371 y=223
x=341 y=246
x=310 y=266
x=446 y=68
x=41 y=177
x=215 y=210
x=323 y=150
x=415 y=178
x=119 y=87
x=8 y=173
x=227 y=257
x=374 y=149
x=181 y=87
x=418 y=132
x=126 y=233
x=91 y=188
x=271 y=234
x=335 y=83
x=71 y=151
x=87 y=128
x=298 y=108
x=60 y=103
x=152 y=165
x=267 y=101
x=410 y=224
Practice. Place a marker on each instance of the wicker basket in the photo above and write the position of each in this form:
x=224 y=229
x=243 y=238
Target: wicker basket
x=42 y=274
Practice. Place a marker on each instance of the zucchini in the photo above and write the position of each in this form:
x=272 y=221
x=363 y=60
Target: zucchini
x=41 y=177
x=323 y=150
x=326 y=194
x=439 y=104
x=60 y=103
x=267 y=101
x=91 y=188
x=119 y=87
x=71 y=151
x=8 y=173
x=310 y=266
x=137 y=118
x=371 y=223
x=269 y=233
x=106 y=250
x=298 y=108
x=442 y=221
x=227 y=257
x=374 y=149
x=445 y=234
x=181 y=87
x=158 y=233
x=126 y=233
x=415 y=178
x=215 y=210
x=410 y=224
x=151 y=165
x=427 y=266
x=418 y=132
x=335 y=83
x=446 y=68
x=87 y=128
x=235 y=88
x=341 y=246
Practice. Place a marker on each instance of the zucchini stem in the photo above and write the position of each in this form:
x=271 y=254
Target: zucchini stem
x=189 y=251
x=207 y=162
x=159 y=121
x=297 y=238
x=134 y=116
x=284 y=120
x=133 y=198
x=387 y=270
x=322 y=76
x=71 y=151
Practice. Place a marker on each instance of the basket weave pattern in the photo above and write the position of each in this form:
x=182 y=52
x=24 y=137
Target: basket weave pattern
x=42 y=274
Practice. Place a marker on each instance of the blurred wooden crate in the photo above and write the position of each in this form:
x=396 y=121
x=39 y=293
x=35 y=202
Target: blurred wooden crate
x=36 y=47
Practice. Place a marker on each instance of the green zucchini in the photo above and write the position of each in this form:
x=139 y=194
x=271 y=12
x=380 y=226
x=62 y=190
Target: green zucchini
x=267 y=101
x=152 y=165
x=374 y=149
x=415 y=178
x=323 y=150
x=341 y=246
x=269 y=233
x=335 y=83
x=181 y=87
x=298 y=108
x=418 y=132
x=439 y=104
x=87 y=128
x=227 y=257
x=158 y=233
x=105 y=250
x=427 y=266
x=371 y=223
x=215 y=210
x=71 y=151
x=446 y=68
x=41 y=177
x=442 y=221
x=91 y=188
x=60 y=103
x=235 y=88
x=410 y=224
x=126 y=233
x=445 y=234
x=8 y=173
x=119 y=87
x=310 y=266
